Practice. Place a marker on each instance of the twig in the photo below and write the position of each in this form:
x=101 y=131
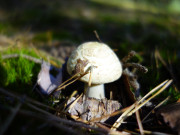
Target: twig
x=8 y=56
x=74 y=102
x=59 y=125
x=121 y=118
x=90 y=78
x=97 y=36
x=26 y=99
x=139 y=121
x=50 y=116
x=10 y=118
x=63 y=85
x=31 y=58
x=153 y=133
x=55 y=118
x=74 y=76
x=111 y=132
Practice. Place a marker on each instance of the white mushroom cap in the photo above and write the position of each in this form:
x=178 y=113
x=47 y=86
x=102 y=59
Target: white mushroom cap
x=107 y=67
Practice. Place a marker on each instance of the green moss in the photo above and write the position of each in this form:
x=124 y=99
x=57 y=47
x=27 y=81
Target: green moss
x=174 y=93
x=18 y=73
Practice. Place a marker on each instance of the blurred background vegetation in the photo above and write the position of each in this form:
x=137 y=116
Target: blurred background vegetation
x=150 y=27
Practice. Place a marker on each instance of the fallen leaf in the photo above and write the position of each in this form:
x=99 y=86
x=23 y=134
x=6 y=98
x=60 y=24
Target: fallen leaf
x=171 y=115
x=46 y=81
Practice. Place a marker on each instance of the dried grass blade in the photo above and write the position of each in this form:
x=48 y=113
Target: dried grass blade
x=121 y=118
x=153 y=90
x=132 y=109
x=75 y=101
x=97 y=36
x=67 y=81
x=90 y=78
x=139 y=121
x=155 y=108
x=63 y=85
x=157 y=93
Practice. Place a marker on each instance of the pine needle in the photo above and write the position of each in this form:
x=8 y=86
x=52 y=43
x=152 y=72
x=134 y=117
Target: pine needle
x=63 y=85
x=132 y=109
x=153 y=90
x=97 y=36
x=155 y=108
x=74 y=102
x=139 y=121
x=121 y=118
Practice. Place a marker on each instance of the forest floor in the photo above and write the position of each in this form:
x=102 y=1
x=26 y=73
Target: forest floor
x=50 y=30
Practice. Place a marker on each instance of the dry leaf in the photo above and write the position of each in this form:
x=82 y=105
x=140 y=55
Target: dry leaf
x=171 y=115
x=46 y=81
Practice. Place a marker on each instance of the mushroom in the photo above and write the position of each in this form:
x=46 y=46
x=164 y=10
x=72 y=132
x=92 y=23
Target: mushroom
x=104 y=65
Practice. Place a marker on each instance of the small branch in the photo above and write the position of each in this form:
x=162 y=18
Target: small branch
x=139 y=121
x=10 y=118
x=64 y=85
x=27 y=99
x=48 y=116
x=8 y=56
x=97 y=36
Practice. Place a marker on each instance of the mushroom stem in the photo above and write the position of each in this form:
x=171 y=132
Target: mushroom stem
x=95 y=91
